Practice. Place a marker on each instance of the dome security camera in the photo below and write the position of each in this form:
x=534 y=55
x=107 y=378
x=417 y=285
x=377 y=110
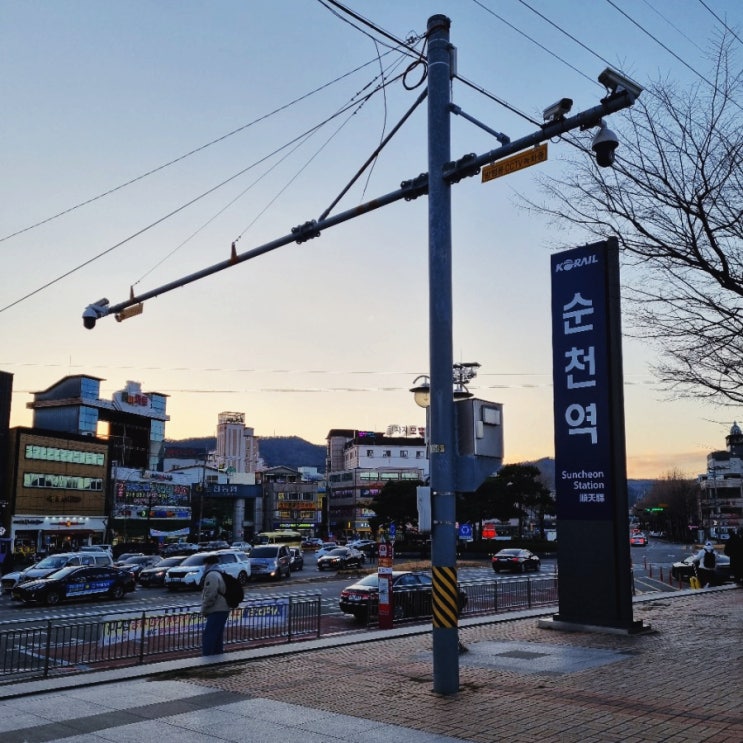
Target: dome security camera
x=604 y=144
x=93 y=312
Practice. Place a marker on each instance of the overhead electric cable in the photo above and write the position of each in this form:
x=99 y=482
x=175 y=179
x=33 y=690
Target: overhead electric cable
x=187 y=154
x=661 y=44
x=533 y=41
x=724 y=25
x=299 y=142
x=366 y=22
x=167 y=216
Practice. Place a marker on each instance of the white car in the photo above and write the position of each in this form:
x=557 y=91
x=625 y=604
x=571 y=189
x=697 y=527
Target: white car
x=190 y=573
x=326 y=547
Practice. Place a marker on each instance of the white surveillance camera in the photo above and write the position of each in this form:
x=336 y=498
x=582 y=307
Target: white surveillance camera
x=604 y=144
x=93 y=312
x=616 y=83
x=557 y=110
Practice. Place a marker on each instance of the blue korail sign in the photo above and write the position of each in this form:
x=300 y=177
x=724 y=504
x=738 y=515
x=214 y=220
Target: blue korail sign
x=581 y=384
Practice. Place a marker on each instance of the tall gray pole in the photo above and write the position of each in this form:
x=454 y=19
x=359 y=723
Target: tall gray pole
x=443 y=442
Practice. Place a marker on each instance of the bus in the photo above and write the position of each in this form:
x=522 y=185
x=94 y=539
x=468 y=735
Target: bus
x=285 y=536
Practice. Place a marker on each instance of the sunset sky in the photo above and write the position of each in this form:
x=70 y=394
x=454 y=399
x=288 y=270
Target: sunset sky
x=141 y=139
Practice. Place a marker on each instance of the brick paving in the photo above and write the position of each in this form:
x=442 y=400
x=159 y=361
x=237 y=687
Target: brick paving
x=680 y=683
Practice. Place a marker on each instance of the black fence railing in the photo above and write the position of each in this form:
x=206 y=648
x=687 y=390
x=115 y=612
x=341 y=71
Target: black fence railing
x=57 y=647
x=476 y=598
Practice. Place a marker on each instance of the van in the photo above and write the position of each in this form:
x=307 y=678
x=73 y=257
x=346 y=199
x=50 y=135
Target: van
x=51 y=564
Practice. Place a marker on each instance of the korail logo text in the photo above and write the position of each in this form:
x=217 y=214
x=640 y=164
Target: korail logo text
x=570 y=264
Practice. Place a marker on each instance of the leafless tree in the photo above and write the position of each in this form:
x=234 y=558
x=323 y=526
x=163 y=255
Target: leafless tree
x=674 y=201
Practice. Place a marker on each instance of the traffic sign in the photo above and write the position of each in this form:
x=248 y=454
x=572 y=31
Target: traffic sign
x=516 y=162
x=465 y=532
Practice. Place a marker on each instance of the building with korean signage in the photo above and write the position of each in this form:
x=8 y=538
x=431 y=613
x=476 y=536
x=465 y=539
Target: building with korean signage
x=57 y=490
x=132 y=421
x=358 y=465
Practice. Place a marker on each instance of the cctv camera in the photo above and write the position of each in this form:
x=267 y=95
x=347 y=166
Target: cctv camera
x=604 y=144
x=557 y=110
x=617 y=83
x=89 y=318
x=94 y=311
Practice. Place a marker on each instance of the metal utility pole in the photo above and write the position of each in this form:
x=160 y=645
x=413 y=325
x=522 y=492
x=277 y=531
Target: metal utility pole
x=442 y=438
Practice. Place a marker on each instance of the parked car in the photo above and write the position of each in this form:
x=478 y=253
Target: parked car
x=125 y=557
x=135 y=564
x=215 y=544
x=411 y=595
x=638 y=539
x=368 y=546
x=325 y=547
x=515 y=560
x=684 y=569
x=312 y=543
x=51 y=564
x=296 y=559
x=155 y=575
x=180 y=548
x=270 y=561
x=190 y=573
x=341 y=558
x=76 y=582
x=97 y=548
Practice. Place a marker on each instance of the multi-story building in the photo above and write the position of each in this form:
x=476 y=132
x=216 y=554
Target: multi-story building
x=721 y=501
x=237 y=446
x=57 y=491
x=358 y=465
x=291 y=501
x=132 y=421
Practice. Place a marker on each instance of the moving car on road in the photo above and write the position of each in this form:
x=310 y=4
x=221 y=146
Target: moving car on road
x=51 y=564
x=190 y=573
x=638 y=539
x=155 y=575
x=296 y=561
x=270 y=561
x=135 y=564
x=341 y=558
x=515 y=560
x=76 y=582
x=411 y=596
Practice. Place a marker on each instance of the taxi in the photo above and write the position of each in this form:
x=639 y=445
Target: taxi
x=75 y=582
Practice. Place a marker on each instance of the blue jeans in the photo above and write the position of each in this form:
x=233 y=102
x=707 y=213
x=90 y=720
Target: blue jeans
x=212 y=638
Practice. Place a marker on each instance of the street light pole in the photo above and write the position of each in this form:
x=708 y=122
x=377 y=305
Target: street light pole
x=442 y=445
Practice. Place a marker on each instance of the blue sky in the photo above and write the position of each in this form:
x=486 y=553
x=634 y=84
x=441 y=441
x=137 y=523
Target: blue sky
x=330 y=333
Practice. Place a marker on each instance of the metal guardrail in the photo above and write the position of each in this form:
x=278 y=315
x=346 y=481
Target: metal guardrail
x=483 y=597
x=57 y=647
x=64 y=646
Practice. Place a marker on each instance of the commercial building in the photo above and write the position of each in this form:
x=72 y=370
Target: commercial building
x=57 y=491
x=291 y=501
x=133 y=422
x=358 y=465
x=721 y=501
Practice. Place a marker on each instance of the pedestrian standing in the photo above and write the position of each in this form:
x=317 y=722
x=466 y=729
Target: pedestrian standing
x=214 y=607
x=706 y=561
x=734 y=550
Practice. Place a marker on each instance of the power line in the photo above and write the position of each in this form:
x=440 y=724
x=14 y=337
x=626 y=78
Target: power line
x=172 y=213
x=187 y=154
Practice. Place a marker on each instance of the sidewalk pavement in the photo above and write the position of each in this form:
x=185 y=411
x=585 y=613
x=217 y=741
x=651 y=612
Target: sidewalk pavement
x=681 y=682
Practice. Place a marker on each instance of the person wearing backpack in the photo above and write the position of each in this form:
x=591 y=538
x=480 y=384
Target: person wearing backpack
x=706 y=561
x=214 y=607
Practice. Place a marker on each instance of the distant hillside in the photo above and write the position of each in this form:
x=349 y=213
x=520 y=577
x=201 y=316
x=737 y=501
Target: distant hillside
x=290 y=451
